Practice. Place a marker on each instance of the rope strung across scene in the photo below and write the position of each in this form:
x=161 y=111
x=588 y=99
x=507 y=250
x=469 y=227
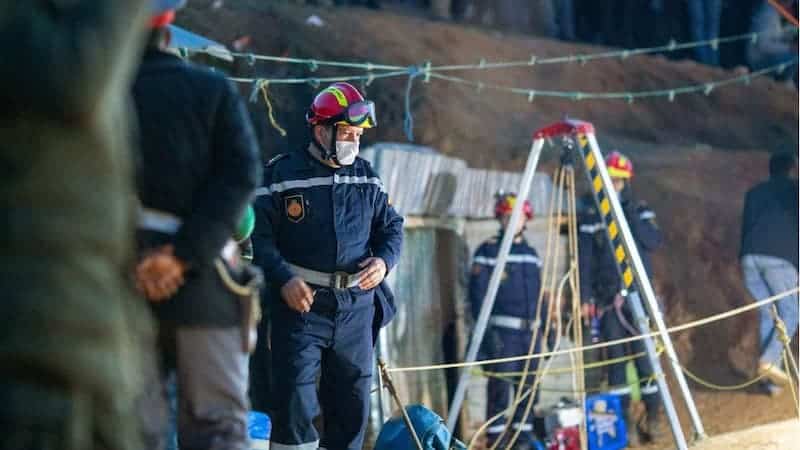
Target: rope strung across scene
x=670 y=94
x=582 y=58
x=686 y=326
x=531 y=94
x=640 y=382
x=594 y=365
x=511 y=376
x=317 y=81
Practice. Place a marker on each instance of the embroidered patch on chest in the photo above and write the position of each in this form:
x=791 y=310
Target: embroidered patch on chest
x=295 y=208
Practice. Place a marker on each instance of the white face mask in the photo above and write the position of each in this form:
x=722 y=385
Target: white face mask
x=346 y=152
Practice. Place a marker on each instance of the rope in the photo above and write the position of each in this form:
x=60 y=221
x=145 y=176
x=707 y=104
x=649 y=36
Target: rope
x=686 y=326
x=317 y=81
x=408 y=118
x=530 y=94
x=494 y=419
x=622 y=54
x=547 y=274
x=579 y=376
x=590 y=366
x=791 y=384
x=589 y=391
x=312 y=64
x=783 y=12
x=583 y=58
x=788 y=358
x=263 y=87
x=551 y=275
x=706 y=88
x=719 y=387
x=242 y=290
x=538 y=379
x=783 y=335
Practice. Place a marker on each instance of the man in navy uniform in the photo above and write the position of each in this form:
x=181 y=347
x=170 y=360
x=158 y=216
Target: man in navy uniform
x=601 y=288
x=199 y=169
x=325 y=237
x=513 y=322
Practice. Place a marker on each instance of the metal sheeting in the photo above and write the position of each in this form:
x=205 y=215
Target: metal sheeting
x=422 y=182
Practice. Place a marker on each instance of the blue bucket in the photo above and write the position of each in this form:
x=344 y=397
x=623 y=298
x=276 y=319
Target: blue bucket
x=259 y=428
x=605 y=422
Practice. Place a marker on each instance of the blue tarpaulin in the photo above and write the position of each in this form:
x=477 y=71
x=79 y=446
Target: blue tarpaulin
x=183 y=38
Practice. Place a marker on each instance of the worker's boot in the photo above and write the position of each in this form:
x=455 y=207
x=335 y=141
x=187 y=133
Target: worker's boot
x=652 y=428
x=634 y=438
x=774 y=373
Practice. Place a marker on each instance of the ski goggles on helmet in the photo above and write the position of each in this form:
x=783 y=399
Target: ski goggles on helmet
x=361 y=114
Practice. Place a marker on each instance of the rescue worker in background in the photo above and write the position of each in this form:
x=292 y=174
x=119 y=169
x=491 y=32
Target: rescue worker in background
x=513 y=322
x=769 y=261
x=604 y=301
x=325 y=237
x=73 y=330
x=199 y=168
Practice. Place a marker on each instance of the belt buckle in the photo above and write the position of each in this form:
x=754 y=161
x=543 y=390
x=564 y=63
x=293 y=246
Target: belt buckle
x=339 y=280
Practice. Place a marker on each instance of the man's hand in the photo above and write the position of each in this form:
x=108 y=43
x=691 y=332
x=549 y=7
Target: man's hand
x=159 y=274
x=297 y=295
x=587 y=311
x=374 y=270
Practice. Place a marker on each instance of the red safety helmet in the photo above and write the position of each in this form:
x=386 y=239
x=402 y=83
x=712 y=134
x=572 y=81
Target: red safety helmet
x=162 y=12
x=619 y=165
x=341 y=104
x=505 y=204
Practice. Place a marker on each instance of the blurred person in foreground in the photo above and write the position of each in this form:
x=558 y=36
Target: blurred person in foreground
x=71 y=344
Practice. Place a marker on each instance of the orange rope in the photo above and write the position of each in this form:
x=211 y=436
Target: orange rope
x=783 y=12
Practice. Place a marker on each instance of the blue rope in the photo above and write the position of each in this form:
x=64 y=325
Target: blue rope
x=408 y=119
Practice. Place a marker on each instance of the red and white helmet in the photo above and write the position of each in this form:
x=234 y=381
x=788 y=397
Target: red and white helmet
x=505 y=205
x=619 y=165
x=341 y=104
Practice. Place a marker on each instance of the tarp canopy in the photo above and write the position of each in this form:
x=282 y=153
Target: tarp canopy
x=183 y=38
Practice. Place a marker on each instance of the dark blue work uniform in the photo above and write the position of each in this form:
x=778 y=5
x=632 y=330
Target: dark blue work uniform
x=512 y=324
x=326 y=220
x=600 y=280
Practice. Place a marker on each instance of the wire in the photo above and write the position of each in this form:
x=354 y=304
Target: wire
x=686 y=326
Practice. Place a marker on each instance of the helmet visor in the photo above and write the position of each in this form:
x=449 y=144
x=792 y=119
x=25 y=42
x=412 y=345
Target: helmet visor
x=361 y=114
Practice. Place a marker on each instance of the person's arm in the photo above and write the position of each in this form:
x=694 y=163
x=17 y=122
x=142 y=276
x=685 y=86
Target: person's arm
x=478 y=280
x=771 y=39
x=231 y=183
x=62 y=58
x=644 y=227
x=265 y=249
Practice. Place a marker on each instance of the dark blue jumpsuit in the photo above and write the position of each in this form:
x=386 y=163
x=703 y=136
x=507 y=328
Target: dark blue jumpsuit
x=600 y=280
x=327 y=220
x=511 y=325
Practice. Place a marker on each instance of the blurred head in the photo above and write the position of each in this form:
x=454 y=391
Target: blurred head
x=783 y=164
x=162 y=13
